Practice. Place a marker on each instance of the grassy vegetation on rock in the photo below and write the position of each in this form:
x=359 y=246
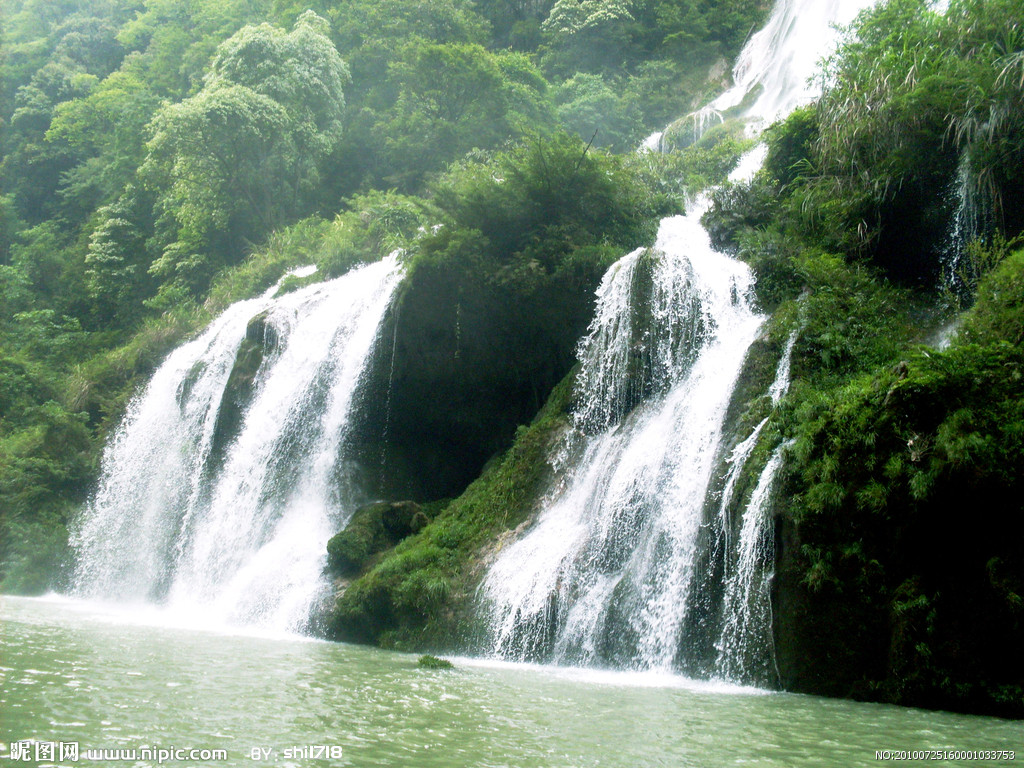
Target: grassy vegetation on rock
x=419 y=595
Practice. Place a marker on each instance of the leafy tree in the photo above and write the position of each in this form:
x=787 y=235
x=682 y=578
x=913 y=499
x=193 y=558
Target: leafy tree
x=10 y=224
x=587 y=34
x=590 y=108
x=219 y=158
x=177 y=39
x=38 y=254
x=117 y=262
x=452 y=98
x=373 y=33
x=35 y=32
x=243 y=155
x=696 y=31
x=90 y=42
x=511 y=19
x=107 y=127
x=32 y=168
x=998 y=314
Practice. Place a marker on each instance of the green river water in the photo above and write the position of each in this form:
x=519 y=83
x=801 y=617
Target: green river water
x=109 y=679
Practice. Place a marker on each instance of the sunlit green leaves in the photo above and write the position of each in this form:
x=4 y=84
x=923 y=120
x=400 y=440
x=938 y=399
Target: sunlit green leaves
x=242 y=156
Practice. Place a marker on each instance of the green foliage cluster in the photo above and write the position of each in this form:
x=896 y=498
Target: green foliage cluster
x=540 y=200
x=45 y=467
x=371 y=225
x=149 y=145
x=242 y=157
x=883 y=470
x=702 y=165
x=917 y=93
x=920 y=115
x=591 y=35
x=849 y=321
x=998 y=312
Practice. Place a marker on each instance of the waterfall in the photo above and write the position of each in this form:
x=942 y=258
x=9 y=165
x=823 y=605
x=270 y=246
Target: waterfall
x=653 y=142
x=635 y=557
x=780 y=386
x=972 y=222
x=776 y=64
x=737 y=460
x=745 y=643
x=606 y=573
x=772 y=74
x=220 y=488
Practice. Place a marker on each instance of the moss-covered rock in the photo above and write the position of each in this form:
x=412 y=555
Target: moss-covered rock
x=433 y=662
x=259 y=342
x=372 y=529
x=901 y=573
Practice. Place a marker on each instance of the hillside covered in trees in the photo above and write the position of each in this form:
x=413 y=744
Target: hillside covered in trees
x=163 y=159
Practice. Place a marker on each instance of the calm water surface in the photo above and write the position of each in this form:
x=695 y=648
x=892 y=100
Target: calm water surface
x=109 y=679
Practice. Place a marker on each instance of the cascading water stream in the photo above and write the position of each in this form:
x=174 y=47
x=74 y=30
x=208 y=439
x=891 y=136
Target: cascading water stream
x=737 y=460
x=744 y=644
x=228 y=513
x=618 y=534
x=972 y=222
x=771 y=75
x=616 y=568
x=777 y=62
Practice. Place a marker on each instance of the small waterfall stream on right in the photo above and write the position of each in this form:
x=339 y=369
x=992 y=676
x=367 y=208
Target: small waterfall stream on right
x=637 y=557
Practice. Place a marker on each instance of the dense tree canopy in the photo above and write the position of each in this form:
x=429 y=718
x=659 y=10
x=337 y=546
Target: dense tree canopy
x=243 y=156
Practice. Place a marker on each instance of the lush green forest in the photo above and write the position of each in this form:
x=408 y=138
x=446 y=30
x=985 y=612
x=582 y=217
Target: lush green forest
x=164 y=158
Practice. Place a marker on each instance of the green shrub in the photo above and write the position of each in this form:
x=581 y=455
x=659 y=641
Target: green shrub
x=882 y=471
x=998 y=312
x=432 y=662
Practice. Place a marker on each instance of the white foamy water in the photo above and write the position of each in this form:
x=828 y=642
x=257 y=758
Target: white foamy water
x=619 y=532
x=619 y=567
x=235 y=525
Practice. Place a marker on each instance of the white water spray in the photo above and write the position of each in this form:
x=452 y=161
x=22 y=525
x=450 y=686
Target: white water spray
x=772 y=74
x=235 y=525
x=615 y=568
